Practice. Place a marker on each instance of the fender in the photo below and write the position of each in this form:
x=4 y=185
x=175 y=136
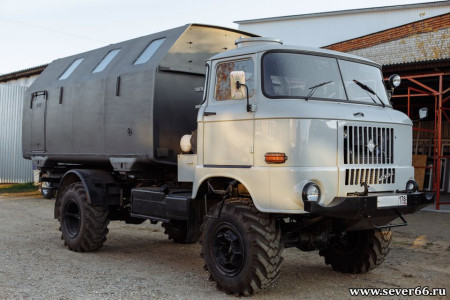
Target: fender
x=204 y=180
x=255 y=180
x=100 y=187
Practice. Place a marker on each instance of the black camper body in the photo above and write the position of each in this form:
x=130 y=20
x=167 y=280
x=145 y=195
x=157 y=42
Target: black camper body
x=132 y=112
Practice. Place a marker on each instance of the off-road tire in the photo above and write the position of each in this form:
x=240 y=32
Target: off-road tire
x=84 y=227
x=177 y=231
x=242 y=249
x=358 y=252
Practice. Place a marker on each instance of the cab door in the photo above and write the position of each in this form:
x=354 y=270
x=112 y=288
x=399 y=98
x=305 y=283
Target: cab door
x=228 y=126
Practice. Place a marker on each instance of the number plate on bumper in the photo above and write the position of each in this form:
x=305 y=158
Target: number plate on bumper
x=376 y=206
x=388 y=201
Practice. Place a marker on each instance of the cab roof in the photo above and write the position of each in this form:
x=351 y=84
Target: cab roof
x=292 y=48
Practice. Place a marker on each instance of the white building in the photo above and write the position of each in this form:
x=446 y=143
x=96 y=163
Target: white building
x=322 y=29
x=13 y=167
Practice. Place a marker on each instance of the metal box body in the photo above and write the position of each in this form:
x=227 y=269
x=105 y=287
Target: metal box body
x=127 y=115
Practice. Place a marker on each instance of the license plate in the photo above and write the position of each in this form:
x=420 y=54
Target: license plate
x=387 y=201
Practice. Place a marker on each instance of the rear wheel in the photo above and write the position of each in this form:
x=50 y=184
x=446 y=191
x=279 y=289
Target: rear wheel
x=242 y=249
x=357 y=251
x=83 y=227
x=178 y=232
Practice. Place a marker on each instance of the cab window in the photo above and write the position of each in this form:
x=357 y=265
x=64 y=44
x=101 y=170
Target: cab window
x=223 y=85
x=301 y=76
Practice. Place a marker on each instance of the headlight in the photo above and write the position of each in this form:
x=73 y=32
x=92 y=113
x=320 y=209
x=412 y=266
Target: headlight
x=395 y=80
x=412 y=186
x=311 y=192
x=185 y=143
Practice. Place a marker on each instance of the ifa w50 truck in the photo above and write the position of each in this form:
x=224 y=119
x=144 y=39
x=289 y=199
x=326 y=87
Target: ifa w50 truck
x=268 y=146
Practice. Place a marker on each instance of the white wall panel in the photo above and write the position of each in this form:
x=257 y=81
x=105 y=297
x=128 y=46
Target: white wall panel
x=13 y=167
x=24 y=81
x=322 y=29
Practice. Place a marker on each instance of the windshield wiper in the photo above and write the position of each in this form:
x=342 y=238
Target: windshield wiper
x=314 y=88
x=369 y=90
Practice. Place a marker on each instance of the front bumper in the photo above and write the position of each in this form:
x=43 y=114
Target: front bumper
x=367 y=207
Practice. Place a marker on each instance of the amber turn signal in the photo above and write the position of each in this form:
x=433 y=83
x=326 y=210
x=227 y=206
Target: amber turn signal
x=275 y=158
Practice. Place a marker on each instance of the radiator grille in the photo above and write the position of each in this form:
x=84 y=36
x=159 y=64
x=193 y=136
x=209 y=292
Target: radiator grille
x=366 y=145
x=370 y=176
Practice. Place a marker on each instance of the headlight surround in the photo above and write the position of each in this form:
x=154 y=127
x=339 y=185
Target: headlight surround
x=311 y=192
x=412 y=186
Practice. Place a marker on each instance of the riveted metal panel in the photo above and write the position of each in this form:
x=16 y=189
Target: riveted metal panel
x=13 y=167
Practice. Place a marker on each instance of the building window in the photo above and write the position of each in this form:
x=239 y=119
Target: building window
x=106 y=60
x=149 y=51
x=70 y=69
x=223 y=82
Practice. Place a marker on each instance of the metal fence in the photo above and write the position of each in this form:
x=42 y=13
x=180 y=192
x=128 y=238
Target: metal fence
x=13 y=167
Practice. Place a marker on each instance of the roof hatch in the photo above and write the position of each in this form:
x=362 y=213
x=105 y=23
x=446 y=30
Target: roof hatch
x=253 y=41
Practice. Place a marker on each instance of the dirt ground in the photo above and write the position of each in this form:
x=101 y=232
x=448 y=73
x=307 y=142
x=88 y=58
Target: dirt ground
x=138 y=262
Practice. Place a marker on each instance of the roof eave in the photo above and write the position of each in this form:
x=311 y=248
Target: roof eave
x=23 y=73
x=342 y=12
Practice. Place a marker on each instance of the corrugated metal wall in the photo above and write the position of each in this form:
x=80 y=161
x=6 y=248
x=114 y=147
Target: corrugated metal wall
x=13 y=167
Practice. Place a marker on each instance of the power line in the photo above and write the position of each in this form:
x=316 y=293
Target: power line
x=54 y=30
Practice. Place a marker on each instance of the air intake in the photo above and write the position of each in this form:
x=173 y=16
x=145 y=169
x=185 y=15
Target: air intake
x=254 y=41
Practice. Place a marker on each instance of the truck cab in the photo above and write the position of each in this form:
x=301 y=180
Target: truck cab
x=319 y=123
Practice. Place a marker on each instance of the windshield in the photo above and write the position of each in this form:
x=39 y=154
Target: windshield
x=354 y=73
x=295 y=75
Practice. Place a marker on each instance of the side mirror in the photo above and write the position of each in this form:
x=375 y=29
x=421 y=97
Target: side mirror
x=237 y=82
x=423 y=113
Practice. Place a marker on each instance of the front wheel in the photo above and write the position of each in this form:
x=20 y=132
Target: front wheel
x=84 y=227
x=357 y=251
x=242 y=249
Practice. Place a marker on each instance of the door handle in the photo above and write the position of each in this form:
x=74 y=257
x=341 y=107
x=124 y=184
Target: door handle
x=209 y=113
x=37 y=94
x=358 y=114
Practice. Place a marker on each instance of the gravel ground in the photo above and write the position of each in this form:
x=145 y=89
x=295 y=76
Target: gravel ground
x=138 y=262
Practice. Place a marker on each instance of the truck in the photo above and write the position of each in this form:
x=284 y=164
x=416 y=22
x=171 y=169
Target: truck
x=237 y=141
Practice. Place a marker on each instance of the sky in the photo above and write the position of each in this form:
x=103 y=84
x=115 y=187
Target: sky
x=36 y=32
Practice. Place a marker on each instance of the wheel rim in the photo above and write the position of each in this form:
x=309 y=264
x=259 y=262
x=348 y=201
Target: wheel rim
x=72 y=218
x=228 y=249
x=348 y=243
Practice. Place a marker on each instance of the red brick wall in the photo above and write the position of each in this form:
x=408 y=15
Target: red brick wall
x=427 y=25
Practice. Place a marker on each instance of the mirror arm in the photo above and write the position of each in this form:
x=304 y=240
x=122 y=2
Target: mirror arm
x=238 y=86
x=421 y=117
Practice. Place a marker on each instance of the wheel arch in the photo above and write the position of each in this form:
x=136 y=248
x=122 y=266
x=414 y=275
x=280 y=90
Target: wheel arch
x=202 y=186
x=97 y=184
